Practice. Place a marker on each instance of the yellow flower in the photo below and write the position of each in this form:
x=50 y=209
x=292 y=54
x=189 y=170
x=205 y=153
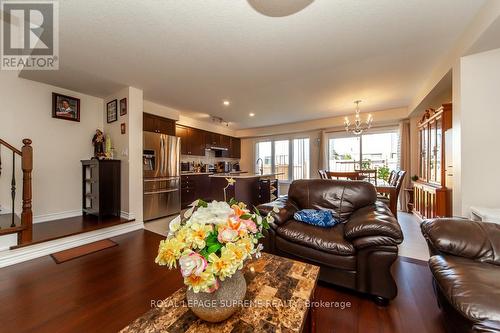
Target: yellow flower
x=222 y=266
x=239 y=251
x=182 y=235
x=169 y=251
x=240 y=254
x=247 y=243
x=198 y=234
x=202 y=282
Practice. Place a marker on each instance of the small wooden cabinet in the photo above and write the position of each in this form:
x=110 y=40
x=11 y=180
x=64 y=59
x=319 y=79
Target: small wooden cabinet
x=101 y=188
x=432 y=196
x=157 y=124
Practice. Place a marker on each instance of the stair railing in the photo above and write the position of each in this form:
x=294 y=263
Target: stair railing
x=26 y=154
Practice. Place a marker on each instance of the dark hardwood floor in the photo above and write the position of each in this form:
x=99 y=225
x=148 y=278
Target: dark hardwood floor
x=106 y=290
x=51 y=230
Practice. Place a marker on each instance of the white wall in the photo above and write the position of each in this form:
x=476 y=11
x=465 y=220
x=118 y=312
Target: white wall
x=161 y=110
x=58 y=145
x=128 y=149
x=478 y=99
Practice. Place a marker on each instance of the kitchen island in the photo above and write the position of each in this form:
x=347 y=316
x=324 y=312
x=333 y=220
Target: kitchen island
x=252 y=189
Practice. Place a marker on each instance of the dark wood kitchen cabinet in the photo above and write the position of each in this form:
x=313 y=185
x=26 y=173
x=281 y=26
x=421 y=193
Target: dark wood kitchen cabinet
x=157 y=124
x=192 y=140
x=195 y=141
x=235 y=148
x=194 y=187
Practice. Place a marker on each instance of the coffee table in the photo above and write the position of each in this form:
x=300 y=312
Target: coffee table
x=278 y=295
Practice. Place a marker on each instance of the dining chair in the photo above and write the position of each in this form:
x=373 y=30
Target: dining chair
x=322 y=174
x=392 y=178
x=390 y=194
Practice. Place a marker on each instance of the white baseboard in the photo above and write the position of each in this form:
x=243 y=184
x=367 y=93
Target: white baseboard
x=11 y=257
x=56 y=216
x=127 y=216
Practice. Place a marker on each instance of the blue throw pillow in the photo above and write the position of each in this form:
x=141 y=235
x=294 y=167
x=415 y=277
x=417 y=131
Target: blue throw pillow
x=319 y=218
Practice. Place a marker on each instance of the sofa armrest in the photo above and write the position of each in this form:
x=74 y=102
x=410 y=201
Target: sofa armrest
x=463 y=238
x=286 y=209
x=372 y=221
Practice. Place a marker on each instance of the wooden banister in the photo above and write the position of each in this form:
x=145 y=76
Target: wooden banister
x=27 y=214
x=24 y=231
x=14 y=149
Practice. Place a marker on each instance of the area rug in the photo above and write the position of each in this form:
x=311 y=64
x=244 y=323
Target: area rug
x=83 y=250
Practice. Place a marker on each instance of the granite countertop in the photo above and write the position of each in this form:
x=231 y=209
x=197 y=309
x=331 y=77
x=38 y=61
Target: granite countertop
x=250 y=175
x=279 y=290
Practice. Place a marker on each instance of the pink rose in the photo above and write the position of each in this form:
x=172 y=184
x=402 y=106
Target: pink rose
x=226 y=234
x=250 y=225
x=192 y=263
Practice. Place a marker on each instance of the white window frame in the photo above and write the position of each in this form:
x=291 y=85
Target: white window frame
x=290 y=154
x=344 y=134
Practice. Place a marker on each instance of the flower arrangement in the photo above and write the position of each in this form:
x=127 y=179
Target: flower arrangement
x=212 y=241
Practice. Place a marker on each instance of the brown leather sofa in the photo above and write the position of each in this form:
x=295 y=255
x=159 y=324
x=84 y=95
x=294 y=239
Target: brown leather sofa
x=357 y=253
x=465 y=263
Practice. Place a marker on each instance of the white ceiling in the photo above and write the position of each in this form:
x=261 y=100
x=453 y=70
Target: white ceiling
x=190 y=55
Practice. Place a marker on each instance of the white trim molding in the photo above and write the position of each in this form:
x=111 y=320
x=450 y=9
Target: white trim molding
x=56 y=216
x=11 y=257
x=127 y=216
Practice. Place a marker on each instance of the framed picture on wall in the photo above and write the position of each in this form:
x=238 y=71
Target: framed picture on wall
x=65 y=107
x=123 y=128
x=112 y=111
x=123 y=106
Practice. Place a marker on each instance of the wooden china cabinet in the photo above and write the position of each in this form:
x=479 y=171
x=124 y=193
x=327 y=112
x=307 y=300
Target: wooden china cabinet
x=432 y=192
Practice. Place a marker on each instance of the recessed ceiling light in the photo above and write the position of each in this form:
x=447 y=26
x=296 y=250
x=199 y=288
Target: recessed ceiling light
x=251 y=114
x=226 y=102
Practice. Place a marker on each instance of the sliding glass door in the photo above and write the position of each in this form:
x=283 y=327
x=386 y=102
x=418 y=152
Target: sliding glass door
x=290 y=158
x=344 y=154
x=374 y=150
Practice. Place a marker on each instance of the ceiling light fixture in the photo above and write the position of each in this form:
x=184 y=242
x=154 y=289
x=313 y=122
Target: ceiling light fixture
x=226 y=102
x=251 y=114
x=220 y=120
x=358 y=127
x=279 y=8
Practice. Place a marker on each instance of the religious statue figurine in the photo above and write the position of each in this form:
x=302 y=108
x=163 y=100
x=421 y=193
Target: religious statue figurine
x=98 y=142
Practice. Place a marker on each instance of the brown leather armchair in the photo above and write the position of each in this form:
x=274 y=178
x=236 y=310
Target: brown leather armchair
x=357 y=253
x=465 y=263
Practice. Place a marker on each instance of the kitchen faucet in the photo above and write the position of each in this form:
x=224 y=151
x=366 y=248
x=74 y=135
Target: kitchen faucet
x=261 y=169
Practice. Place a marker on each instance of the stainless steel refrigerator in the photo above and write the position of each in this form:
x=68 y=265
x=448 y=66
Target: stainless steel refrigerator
x=161 y=165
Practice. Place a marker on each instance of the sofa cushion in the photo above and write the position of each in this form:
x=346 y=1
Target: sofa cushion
x=329 y=240
x=471 y=287
x=341 y=197
x=318 y=257
x=478 y=241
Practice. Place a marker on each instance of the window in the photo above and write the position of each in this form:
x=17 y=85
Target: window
x=282 y=159
x=291 y=158
x=264 y=152
x=367 y=151
x=301 y=166
x=344 y=154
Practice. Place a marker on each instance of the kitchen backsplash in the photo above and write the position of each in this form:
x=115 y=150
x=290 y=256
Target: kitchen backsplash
x=209 y=158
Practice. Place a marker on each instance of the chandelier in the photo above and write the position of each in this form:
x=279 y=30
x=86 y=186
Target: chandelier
x=358 y=126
